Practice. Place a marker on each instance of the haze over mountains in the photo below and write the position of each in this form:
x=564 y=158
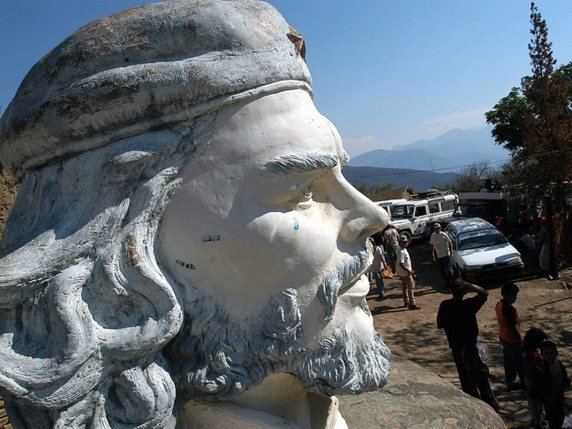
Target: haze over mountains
x=448 y=152
x=417 y=180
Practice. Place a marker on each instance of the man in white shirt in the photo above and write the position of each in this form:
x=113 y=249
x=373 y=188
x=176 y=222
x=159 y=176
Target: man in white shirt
x=442 y=247
x=391 y=237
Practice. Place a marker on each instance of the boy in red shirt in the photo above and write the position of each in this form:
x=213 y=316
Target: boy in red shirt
x=510 y=334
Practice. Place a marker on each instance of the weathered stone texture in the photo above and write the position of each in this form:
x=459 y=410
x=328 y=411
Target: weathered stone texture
x=417 y=398
x=8 y=190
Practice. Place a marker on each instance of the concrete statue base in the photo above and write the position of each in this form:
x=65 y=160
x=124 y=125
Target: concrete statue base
x=417 y=398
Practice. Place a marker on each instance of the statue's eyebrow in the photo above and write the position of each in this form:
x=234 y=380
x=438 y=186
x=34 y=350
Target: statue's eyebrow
x=302 y=163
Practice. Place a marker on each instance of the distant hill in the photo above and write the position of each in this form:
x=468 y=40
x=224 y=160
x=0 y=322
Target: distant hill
x=448 y=152
x=399 y=177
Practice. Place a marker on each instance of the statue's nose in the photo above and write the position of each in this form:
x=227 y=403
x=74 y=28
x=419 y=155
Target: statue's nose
x=364 y=218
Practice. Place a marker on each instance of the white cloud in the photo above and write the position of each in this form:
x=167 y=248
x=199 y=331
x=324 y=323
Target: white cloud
x=439 y=125
x=357 y=146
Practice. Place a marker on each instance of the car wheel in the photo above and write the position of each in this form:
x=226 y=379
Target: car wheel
x=406 y=233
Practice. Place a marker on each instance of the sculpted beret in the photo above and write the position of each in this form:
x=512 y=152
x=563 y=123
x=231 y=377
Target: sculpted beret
x=145 y=68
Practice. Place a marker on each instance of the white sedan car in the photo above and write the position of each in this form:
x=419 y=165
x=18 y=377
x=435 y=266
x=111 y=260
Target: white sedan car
x=481 y=252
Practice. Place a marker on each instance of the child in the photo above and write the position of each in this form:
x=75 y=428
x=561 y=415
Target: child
x=532 y=359
x=377 y=265
x=406 y=273
x=510 y=337
x=548 y=384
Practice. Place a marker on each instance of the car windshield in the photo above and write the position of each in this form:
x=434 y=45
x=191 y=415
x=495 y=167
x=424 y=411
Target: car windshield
x=469 y=210
x=386 y=208
x=480 y=238
x=402 y=211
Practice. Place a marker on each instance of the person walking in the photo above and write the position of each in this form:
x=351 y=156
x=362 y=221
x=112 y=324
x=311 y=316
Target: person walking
x=458 y=317
x=510 y=335
x=377 y=265
x=391 y=239
x=442 y=248
x=405 y=273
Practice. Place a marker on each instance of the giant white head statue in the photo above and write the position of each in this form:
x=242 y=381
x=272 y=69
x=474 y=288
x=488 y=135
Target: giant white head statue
x=183 y=231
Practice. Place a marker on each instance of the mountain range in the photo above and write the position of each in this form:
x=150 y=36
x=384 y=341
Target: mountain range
x=418 y=180
x=449 y=152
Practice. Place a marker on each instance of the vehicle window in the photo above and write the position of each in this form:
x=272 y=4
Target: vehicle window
x=434 y=208
x=404 y=211
x=448 y=205
x=386 y=208
x=420 y=211
x=481 y=238
x=471 y=210
x=451 y=233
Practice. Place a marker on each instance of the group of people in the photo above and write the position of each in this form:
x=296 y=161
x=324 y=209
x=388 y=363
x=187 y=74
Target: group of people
x=530 y=361
x=399 y=263
x=530 y=237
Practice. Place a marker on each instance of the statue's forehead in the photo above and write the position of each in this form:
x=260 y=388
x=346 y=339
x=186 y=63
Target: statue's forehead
x=286 y=124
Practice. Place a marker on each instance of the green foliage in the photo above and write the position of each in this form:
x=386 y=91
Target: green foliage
x=539 y=48
x=534 y=121
x=509 y=117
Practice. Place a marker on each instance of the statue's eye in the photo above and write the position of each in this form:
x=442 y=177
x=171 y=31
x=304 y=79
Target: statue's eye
x=304 y=198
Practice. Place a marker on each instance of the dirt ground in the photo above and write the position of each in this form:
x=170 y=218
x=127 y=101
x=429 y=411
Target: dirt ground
x=413 y=334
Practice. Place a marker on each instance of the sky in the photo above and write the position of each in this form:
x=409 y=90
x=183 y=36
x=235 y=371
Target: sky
x=385 y=72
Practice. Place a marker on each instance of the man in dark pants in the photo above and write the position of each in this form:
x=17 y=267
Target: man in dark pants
x=442 y=248
x=457 y=316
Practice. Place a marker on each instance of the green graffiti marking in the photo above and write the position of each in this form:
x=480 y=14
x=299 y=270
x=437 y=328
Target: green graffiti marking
x=185 y=265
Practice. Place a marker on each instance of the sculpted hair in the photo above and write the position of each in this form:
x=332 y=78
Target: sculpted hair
x=85 y=308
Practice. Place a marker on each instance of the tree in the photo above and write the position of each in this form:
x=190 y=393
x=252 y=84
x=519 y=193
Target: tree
x=373 y=189
x=534 y=122
x=472 y=178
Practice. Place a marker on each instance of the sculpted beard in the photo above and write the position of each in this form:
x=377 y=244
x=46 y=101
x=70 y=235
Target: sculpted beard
x=215 y=356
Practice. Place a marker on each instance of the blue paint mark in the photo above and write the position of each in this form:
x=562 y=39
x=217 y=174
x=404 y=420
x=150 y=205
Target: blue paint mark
x=208 y=238
x=296 y=224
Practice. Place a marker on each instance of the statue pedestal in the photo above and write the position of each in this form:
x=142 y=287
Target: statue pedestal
x=417 y=398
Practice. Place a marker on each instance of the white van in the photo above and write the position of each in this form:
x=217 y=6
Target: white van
x=388 y=204
x=411 y=217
